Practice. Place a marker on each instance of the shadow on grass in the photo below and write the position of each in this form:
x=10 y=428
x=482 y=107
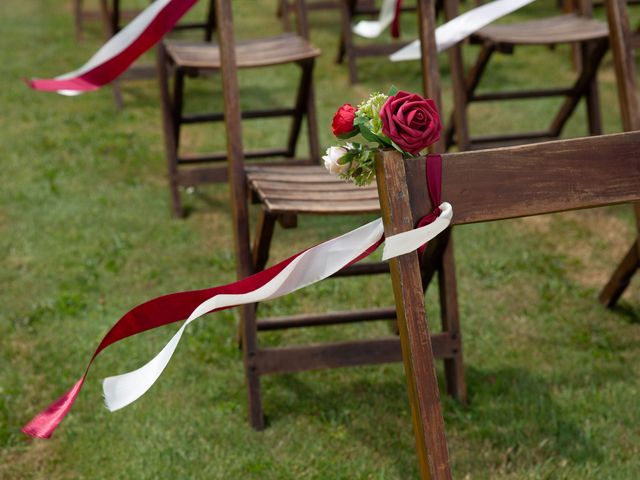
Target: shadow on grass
x=629 y=312
x=512 y=413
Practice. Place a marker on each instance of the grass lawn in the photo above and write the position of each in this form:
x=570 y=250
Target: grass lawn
x=85 y=234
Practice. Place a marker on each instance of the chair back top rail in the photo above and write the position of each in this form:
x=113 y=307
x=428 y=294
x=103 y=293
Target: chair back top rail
x=528 y=180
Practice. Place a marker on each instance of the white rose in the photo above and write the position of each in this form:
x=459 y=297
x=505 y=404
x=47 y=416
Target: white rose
x=331 y=160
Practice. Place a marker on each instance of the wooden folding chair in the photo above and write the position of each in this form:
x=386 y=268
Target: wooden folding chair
x=482 y=186
x=623 y=41
x=349 y=49
x=577 y=28
x=181 y=60
x=283 y=193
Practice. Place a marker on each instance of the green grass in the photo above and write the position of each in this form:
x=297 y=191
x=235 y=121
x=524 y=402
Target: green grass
x=85 y=234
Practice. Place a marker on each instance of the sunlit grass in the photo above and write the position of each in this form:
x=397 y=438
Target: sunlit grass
x=85 y=234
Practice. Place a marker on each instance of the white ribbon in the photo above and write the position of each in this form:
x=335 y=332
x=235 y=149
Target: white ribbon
x=373 y=28
x=411 y=240
x=461 y=27
x=309 y=267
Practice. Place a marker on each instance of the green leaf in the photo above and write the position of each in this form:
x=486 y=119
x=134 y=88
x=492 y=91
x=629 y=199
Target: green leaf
x=393 y=90
x=366 y=133
x=350 y=134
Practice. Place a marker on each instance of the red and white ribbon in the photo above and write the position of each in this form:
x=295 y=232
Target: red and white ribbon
x=462 y=27
x=115 y=56
x=298 y=271
x=374 y=28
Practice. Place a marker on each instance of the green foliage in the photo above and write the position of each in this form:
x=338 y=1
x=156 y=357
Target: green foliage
x=85 y=234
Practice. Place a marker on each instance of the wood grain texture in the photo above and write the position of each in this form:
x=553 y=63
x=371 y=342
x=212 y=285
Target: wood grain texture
x=534 y=179
x=417 y=352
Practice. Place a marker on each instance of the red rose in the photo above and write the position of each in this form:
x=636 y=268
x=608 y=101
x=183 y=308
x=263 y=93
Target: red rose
x=342 y=124
x=411 y=121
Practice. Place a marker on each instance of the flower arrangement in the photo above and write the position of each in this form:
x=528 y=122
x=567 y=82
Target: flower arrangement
x=401 y=120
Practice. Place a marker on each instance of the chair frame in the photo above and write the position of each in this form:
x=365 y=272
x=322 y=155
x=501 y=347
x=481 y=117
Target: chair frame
x=589 y=55
x=405 y=199
x=260 y=361
x=348 y=49
x=533 y=179
x=174 y=117
x=623 y=41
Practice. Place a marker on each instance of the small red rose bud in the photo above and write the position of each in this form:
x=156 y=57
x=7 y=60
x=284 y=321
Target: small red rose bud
x=342 y=125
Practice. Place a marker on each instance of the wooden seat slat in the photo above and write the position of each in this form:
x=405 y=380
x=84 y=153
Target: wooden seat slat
x=308 y=186
x=322 y=207
x=264 y=52
x=309 y=189
x=293 y=177
x=318 y=196
x=558 y=29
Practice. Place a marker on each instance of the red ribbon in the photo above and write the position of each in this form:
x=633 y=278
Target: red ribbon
x=434 y=186
x=395 y=24
x=108 y=71
x=178 y=306
x=155 y=313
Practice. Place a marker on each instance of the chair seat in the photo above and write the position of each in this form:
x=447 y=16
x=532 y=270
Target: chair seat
x=256 y=53
x=558 y=29
x=309 y=189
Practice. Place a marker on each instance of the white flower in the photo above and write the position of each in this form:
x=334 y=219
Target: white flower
x=332 y=160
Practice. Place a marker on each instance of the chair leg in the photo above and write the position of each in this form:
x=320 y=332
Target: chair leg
x=262 y=241
x=312 y=125
x=169 y=120
x=211 y=22
x=116 y=90
x=621 y=278
x=78 y=18
x=454 y=367
x=347 y=8
x=592 y=97
x=301 y=105
x=462 y=102
x=252 y=374
x=591 y=62
x=284 y=13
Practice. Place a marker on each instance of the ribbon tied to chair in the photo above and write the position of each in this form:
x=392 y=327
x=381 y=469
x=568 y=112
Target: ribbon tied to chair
x=148 y=28
x=302 y=269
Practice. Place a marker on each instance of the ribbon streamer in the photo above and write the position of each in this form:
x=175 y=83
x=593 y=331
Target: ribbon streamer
x=461 y=27
x=298 y=271
x=115 y=56
x=374 y=28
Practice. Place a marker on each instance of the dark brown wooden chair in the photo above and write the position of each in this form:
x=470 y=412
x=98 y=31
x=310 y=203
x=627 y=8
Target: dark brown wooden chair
x=182 y=60
x=283 y=193
x=349 y=48
x=623 y=41
x=588 y=35
x=482 y=186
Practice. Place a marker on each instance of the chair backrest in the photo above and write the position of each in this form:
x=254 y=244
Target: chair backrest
x=483 y=186
x=528 y=180
x=623 y=41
